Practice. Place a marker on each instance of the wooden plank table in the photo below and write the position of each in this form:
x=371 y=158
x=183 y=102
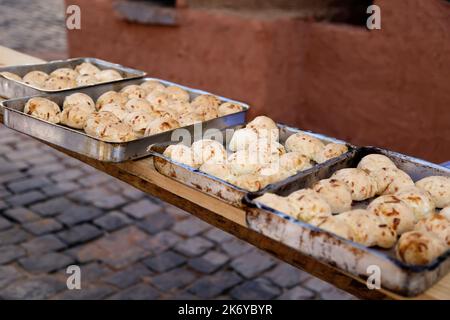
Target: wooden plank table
x=142 y=175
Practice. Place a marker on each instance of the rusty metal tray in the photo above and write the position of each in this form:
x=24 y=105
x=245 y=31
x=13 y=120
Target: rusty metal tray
x=14 y=89
x=347 y=255
x=79 y=142
x=222 y=189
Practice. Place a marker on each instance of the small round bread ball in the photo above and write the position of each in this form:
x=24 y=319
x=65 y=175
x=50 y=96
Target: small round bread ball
x=116 y=132
x=276 y=202
x=294 y=161
x=161 y=125
x=330 y=151
x=181 y=107
x=137 y=104
x=394 y=212
x=209 y=151
x=177 y=94
x=138 y=120
x=242 y=139
x=158 y=99
x=266 y=153
x=66 y=73
x=419 y=200
x=374 y=162
x=206 y=106
x=79 y=99
x=446 y=213
x=59 y=83
x=305 y=144
x=250 y=182
x=265 y=127
x=437 y=224
x=117 y=109
x=438 y=187
x=152 y=85
x=11 y=76
x=335 y=225
x=133 y=91
x=219 y=170
x=36 y=78
x=419 y=248
x=361 y=185
x=180 y=153
x=336 y=193
x=97 y=122
x=110 y=97
x=75 y=116
x=86 y=80
x=229 y=108
x=87 y=68
x=206 y=99
x=368 y=229
x=189 y=119
x=386 y=176
x=308 y=205
x=242 y=163
x=108 y=75
x=43 y=109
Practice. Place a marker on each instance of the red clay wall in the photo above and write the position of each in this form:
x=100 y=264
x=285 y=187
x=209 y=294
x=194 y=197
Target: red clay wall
x=387 y=88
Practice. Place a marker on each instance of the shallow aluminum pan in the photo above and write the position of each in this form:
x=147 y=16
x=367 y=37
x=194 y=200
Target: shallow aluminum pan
x=79 y=142
x=14 y=89
x=217 y=187
x=347 y=255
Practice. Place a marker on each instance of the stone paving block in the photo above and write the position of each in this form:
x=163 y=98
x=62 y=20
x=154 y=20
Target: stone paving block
x=297 y=293
x=43 y=244
x=176 y=212
x=326 y=290
x=138 y=292
x=52 y=207
x=235 y=247
x=211 y=286
x=110 y=202
x=252 y=264
x=26 y=198
x=286 y=275
x=76 y=214
x=13 y=236
x=182 y=296
x=193 y=247
x=112 y=221
x=165 y=261
x=28 y=184
x=33 y=289
x=128 y=277
x=4 y=224
x=92 y=272
x=133 y=193
x=156 y=222
x=259 y=289
x=96 y=292
x=209 y=262
x=80 y=233
x=67 y=175
x=46 y=169
x=161 y=242
x=190 y=227
x=174 y=279
x=10 y=253
x=23 y=154
x=141 y=209
x=9 y=274
x=43 y=226
x=3 y=205
x=316 y=284
x=218 y=235
x=60 y=188
x=13 y=176
x=21 y=215
x=88 y=196
x=95 y=179
x=45 y=263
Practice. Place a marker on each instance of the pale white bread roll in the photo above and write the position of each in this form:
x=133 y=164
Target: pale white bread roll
x=242 y=162
x=79 y=99
x=11 y=76
x=108 y=75
x=59 y=83
x=276 y=202
x=390 y=180
x=242 y=139
x=181 y=107
x=229 y=108
x=308 y=205
x=65 y=72
x=138 y=120
x=76 y=115
x=251 y=182
x=219 y=170
x=180 y=153
x=439 y=189
x=36 y=78
x=394 y=212
x=110 y=97
x=294 y=161
x=206 y=106
x=368 y=229
x=336 y=193
x=335 y=225
x=86 y=80
x=209 y=151
x=361 y=185
x=419 y=200
x=152 y=85
x=161 y=125
x=116 y=132
x=265 y=127
x=177 y=94
x=137 y=104
x=374 y=162
x=97 y=121
x=189 y=119
x=87 y=68
x=133 y=91
x=118 y=110
x=158 y=99
x=419 y=248
x=44 y=109
x=330 y=151
x=305 y=144
x=437 y=224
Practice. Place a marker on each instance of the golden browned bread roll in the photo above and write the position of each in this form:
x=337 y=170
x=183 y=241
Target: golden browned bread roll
x=361 y=185
x=242 y=139
x=330 y=151
x=294 y=161
x=419 y=200
x=177 y=94
x=43 y=109
x=419 y=248
x=133 y=91
x=446 y=213
x=386 y=176
x=158 y=99
x=182 y=154
x=86 y=80
x=229 y=108
x=137 y=104
x=439 y=189
x=161 y=125
x=335 y=225
x=79 y=99
x=59 y=83
x=138 y=120
x=437 y=224
x=118 y=110
x=110 y=97
x=75 y=116
x=152 y=85
x=308 y=205
x=336 y=193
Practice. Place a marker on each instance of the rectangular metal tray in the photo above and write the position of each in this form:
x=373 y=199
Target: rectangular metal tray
x=79 y=142
x=344 y=254
x=14 y=89
x=222 y=189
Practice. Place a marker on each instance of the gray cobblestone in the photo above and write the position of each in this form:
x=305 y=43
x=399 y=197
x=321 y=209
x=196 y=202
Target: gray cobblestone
x=45 y=263
x=8 y=274
x=156 y=222
x=110 y=202
x=76 y=214
x=52 y=207
x=218 y=235
x=252 y=264
x=28 y=184
x=36 y=288
x=165 y=261
x=10 y=253
x=128 y=277
x=138 y=292
x=161 y=242
x=80 y=233
x=22 y=215
x=112 y=221
x=67 y=175
x=286 y=276
x=42 y=226
x=209 y=262
x=259 y=289
x=174 y=279
x=191 y=227
x=235 y=247
x=43 y=244
x=211 y=286
x=26 y=198
x=297 y=293
x=141 y=209
x=13 y=236
x=88 y=293
x=194 y=246
x=4 y=224
x=60 y=188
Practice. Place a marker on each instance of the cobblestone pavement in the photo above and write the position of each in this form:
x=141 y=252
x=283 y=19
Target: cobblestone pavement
x=56 y=211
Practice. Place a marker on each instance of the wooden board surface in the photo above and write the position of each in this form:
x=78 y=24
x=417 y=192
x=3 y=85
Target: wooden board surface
x=142 y=175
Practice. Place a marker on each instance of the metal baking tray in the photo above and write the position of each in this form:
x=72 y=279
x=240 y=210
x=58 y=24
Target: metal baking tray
x=14 y=89
x=344 y=254
x=219 y=188
x=79 y=142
